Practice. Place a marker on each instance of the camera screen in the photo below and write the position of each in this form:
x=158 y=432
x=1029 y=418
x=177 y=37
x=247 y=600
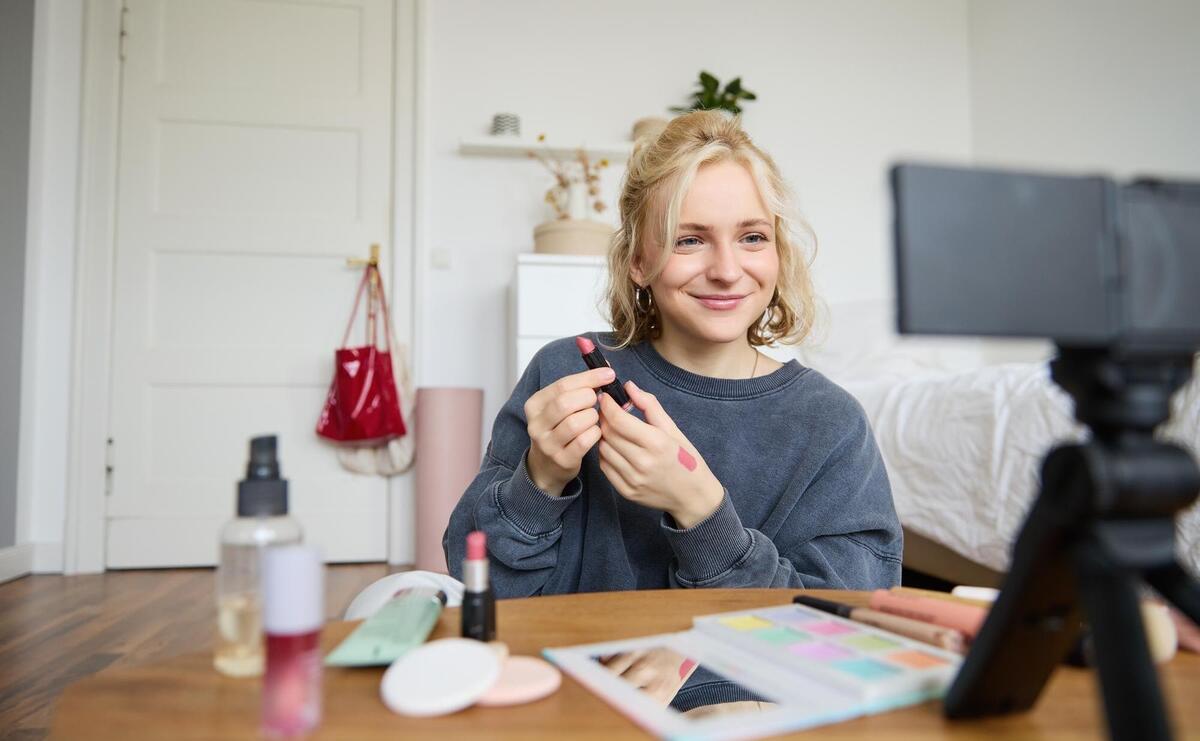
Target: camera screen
x=983 y=252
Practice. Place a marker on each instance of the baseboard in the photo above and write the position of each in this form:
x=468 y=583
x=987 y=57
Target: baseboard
x=16 y=561
x=47 y=558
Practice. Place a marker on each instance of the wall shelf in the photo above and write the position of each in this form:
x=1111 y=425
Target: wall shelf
x=504 y=146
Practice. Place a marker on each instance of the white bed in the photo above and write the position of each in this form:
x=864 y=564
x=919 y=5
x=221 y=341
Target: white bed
x=963 y=440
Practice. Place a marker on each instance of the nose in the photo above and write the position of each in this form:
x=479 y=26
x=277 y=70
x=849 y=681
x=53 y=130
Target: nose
x=724 y=266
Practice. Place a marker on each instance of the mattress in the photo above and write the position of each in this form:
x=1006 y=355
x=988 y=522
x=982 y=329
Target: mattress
x=963 y=451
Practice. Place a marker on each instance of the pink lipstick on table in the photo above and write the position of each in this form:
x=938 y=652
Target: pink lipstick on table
x=478 y=604
x=593 y=359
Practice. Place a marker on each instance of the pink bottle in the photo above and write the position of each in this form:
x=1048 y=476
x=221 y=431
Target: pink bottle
x=293 y=587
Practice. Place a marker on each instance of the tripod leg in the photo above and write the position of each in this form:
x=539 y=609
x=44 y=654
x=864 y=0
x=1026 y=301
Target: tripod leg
x=1177 y=585
x=1133 y=703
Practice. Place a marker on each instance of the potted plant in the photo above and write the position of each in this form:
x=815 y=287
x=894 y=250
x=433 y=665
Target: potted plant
x=574 y=196
x=708 y=96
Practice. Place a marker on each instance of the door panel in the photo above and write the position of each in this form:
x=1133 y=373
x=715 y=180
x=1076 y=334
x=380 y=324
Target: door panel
x=255 y=156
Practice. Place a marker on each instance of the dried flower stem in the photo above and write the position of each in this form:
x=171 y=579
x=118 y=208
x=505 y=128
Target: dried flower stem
x=567 y=173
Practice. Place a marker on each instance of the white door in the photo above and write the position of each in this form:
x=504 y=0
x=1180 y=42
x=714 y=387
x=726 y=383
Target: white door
x=255 y=157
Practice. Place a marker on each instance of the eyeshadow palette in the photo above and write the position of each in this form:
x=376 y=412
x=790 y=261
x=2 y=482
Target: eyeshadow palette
x=757 y=672
x=872 y=664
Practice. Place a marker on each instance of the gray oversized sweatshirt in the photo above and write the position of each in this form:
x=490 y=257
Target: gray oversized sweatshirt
x=807 y=500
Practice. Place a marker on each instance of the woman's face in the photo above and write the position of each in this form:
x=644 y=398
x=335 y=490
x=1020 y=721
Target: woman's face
x=723 y=265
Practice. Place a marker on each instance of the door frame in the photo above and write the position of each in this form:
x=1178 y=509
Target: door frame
x=95 y=249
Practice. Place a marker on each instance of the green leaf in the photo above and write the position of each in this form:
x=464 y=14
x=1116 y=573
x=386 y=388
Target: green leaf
x=747 y=95
x=734 y=86
x=708 y=82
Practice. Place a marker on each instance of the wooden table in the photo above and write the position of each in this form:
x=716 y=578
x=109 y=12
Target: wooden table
x=184 y=697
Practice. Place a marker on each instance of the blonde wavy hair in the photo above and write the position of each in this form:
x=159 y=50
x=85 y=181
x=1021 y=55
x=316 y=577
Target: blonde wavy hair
x=659 y=175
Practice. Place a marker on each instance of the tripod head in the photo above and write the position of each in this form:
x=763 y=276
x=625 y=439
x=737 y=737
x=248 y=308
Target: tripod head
x=1118 y=392
x=1122 y=397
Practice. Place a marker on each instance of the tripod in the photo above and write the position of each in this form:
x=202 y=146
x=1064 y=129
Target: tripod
x=1103 y=520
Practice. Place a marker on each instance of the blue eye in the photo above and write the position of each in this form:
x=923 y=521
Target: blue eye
x=755 y=238
x=688 y=242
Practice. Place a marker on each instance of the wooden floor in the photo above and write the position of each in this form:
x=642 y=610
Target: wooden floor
x=56 y=629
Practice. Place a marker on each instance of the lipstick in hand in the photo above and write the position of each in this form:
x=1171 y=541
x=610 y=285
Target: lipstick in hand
x=593 y=358
x=478 y=604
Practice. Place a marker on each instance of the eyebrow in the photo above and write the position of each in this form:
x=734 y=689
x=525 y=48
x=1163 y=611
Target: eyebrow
x=692 y=227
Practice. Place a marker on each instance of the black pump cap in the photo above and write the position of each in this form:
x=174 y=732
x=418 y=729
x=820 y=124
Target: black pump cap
x=262 y=493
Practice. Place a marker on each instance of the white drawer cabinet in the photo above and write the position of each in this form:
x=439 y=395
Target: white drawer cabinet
x=553 y=296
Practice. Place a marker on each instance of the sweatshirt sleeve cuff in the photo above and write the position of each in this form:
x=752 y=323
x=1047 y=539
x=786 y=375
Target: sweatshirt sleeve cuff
x=711 y=548
x=531 y=510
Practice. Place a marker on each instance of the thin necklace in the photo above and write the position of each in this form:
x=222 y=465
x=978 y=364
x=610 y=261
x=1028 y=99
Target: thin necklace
x=755 y=368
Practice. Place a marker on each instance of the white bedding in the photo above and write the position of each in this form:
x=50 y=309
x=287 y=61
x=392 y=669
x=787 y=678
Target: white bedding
x=963 y=451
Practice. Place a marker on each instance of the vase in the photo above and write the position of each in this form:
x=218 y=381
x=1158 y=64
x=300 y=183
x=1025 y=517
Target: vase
x=577 y=201
x=572 y=237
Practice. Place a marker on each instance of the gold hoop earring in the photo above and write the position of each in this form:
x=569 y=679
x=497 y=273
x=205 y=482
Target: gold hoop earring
x=638 y=294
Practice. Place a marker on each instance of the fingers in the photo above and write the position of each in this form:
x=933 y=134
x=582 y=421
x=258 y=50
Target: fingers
x=635 y=453
x=557 y=409
x=616 y=469
x=624 y=424
x=590 y=379
x=622 y=661
x=651 y=409
x=576 y=434
x=641 y=674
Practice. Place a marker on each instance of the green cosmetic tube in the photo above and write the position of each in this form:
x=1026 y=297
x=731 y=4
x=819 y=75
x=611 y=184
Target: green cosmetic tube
x=401 y=624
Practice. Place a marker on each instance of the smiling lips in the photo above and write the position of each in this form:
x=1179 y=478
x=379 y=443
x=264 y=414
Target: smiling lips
x=720 y=302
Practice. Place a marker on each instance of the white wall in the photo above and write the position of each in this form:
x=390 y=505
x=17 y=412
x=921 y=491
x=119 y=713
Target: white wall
x=1087 y=85
x=50 y=275
x=844 y=88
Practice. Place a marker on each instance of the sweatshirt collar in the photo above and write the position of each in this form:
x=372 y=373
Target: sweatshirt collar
x=715 y=388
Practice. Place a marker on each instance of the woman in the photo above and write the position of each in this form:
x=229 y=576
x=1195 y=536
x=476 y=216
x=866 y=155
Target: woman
x=734 y=470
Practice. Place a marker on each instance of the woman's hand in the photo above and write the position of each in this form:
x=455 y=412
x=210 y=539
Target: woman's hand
x=659 y=672
x=652 y=463
x=562 y=423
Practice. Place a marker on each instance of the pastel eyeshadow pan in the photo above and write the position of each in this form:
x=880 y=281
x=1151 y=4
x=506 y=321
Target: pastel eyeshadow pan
x=867 y=669
x=745 y=622
x=915 y=659
x=818 y=651
x=798 y=619
x=781 y=635
x=868 y=643
x=829 y=628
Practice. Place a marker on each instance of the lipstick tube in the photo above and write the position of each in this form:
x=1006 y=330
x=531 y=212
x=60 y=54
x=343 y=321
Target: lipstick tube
x=593 y=359
x=478 y=604
x=967 y=619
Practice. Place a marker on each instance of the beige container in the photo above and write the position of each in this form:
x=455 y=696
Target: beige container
x=572 y=237
x=449 y=423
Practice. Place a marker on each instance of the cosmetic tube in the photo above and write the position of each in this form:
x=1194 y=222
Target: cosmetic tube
x=966 y=619
x=293 y=587
x=403 y=623
x=479 y=604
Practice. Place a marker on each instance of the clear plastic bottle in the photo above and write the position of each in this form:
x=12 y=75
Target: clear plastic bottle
x=262 y=521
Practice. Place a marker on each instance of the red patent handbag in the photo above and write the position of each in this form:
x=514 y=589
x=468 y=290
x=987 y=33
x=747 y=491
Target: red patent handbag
x=363 y=407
